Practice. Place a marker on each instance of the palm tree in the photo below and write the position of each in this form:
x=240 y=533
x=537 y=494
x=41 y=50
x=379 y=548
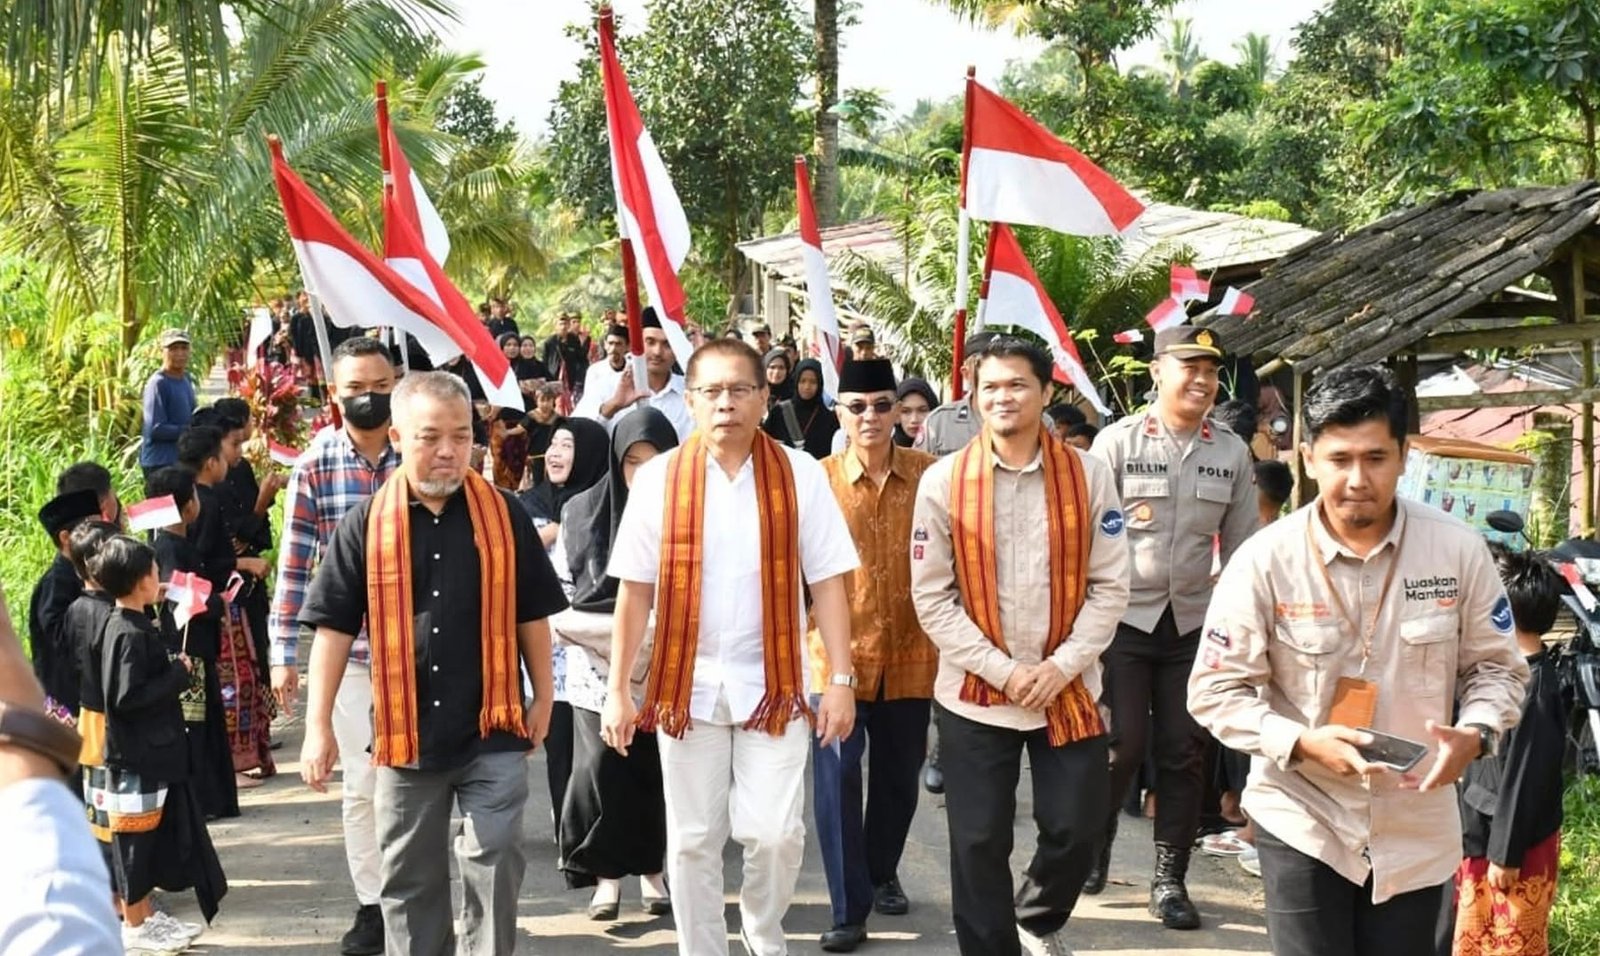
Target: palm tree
x=1256 y=59
x=825 y=47
x=1181 y=54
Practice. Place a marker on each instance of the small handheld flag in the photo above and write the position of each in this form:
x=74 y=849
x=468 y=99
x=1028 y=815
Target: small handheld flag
x=153 y=513
x=1128 y=337
x=282 y=454
x=1187 y=286
x=1166 y=314
x=188 y=592
x=1236 y=302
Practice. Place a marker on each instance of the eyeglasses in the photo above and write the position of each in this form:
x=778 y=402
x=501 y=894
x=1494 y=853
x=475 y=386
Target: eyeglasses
x=711 y=393
x=882 y=406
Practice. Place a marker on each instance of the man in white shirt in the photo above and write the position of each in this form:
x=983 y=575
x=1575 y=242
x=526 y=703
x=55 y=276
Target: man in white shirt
x=710 y=528
x=601 y=378
x=666 y=393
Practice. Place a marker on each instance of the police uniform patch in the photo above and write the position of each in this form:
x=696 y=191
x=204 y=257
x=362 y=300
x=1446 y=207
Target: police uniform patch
x=1500 y=616
x=1219 y=636
x=916 y=553
x=1141 y=511
x=1111 y=523
x=919 y=534
x=1212 y=657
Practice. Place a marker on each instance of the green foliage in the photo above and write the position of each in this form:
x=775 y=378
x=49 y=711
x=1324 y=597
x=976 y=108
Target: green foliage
x=1575 y=920
x=1095 y=30
x=470 y=116
x=717 y=83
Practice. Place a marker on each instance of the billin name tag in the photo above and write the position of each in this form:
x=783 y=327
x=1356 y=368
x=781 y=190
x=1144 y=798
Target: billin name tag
x=1355 y=703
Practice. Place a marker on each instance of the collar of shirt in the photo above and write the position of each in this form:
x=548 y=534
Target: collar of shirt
x=1036 y=462
x=1329 y=547
x=855 y=469
x=674 y=384
x=390 y=454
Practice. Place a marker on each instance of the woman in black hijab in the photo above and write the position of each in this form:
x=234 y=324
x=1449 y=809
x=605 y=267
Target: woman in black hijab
x=804 y=421
x=613 y=823
x=780 y=384
x=916 y=399
x=574 y=463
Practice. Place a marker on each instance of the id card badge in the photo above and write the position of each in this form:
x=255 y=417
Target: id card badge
x=1355 y=703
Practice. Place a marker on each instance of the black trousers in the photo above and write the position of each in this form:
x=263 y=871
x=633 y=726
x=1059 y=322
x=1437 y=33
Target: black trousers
x=1313 y=911
x=861 y=847
x=1147 y=683
x=982 y=765
x=558 y=757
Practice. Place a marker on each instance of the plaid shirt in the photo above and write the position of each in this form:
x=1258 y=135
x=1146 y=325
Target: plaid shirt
x=330 y=478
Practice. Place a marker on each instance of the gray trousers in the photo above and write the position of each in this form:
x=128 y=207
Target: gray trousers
x=413 y=810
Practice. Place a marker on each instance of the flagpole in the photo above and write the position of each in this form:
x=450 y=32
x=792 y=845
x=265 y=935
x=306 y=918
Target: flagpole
x=983 y=281
x=963 y=248
x=607 y=27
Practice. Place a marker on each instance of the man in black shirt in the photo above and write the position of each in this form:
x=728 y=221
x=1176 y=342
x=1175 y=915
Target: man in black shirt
x=54 y=662
x=566 y=354
x=442 y=733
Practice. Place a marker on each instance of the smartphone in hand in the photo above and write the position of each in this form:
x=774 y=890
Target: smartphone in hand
x=1391 y=751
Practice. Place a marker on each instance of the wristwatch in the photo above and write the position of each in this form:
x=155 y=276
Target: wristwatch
x=842 y=680
x=32 y=730
x=1488 y=740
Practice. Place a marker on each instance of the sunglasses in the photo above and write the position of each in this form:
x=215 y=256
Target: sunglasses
x=882 y=406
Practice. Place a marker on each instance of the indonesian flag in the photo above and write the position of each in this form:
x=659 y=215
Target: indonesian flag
x=357 y=287
x=188 y=592
x=1128 y=337
x=153 y=513
x=1168 y=313
x=260 y=332
x=1236 y=302
x=826 y=323
x=282 y=454
x=648 y=211
x=415 y=245
x=1015 y=297
x=1187 y=286
x=1014 y=170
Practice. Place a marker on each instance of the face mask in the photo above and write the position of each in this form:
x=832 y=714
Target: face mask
x=366 y=411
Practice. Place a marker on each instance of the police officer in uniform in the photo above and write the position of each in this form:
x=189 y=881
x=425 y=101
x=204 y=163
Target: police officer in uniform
x=949 y=427
x=1184 y=482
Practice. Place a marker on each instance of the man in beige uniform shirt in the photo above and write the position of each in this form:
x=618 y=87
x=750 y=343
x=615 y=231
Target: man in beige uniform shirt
x=1184 y=482
x=1020 y=531
x=1360 y=610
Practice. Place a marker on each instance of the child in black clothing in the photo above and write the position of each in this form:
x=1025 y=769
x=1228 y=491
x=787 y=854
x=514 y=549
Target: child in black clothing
x=136 y=779
x=1511 y=801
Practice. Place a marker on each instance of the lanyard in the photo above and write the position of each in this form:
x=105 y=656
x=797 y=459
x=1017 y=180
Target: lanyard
x=1365 y=630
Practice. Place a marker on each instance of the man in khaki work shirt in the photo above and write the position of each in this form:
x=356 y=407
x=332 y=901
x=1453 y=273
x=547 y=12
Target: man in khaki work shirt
x=1000 y=693
x=1184 y=481
x=875 y=483
x=1355 y=855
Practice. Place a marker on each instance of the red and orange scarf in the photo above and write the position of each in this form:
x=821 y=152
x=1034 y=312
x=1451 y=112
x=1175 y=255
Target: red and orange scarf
x=390 y=617
x=678 y=588
x=1072 y=716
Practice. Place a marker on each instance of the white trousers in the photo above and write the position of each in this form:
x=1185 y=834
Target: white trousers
x=352 y=730
x=723 y=781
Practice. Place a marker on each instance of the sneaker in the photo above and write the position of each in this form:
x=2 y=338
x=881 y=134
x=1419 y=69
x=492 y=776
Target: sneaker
x=1050 y=944
x=176 y=927
x=365 y=937
x=148 y=940
x=1250 y=861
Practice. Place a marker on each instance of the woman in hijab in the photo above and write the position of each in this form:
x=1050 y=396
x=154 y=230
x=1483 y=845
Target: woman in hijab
x=804 y=421
x=575 y=462
x=613 y=824
x=780 y=385
x=917 y=399
x=527 y=367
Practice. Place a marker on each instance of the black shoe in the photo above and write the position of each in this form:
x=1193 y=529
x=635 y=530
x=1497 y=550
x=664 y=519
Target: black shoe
x=1095 y=883
x=605 y=912
x=843 y=939
x=1169 y=898
x=365 y=937
x=890 y=900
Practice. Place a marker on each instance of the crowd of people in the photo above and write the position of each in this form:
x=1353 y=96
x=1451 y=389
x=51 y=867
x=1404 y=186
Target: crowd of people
x=692 y=587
